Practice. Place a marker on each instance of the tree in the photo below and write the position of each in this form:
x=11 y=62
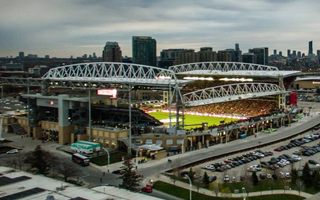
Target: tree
x=67 y=170
x=40 y=159
x=191 y=174
x=294 y=176
x=130 y=178
x=255 y=179
x=306 y=175
x=316 y=180
x=205 y=180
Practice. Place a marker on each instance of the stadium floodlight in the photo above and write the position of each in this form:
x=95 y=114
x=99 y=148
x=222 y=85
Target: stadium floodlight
x=198 y=78
x=237 y=79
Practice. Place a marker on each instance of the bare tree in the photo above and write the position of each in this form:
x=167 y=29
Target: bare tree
x=67 y=170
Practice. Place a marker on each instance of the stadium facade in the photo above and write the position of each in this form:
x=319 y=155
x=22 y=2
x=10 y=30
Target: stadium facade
x=66 y=104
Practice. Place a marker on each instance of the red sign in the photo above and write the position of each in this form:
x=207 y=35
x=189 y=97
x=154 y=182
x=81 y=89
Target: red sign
x=108 y=92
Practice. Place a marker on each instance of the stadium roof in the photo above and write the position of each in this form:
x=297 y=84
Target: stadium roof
x=230 y=69
x=242 y=73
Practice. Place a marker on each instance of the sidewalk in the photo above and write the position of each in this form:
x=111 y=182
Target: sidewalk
x=232 y=195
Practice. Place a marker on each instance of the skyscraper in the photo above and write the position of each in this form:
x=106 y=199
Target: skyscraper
x=310 y=52
x=238 y=53
x=144 y=50
x=275 y=52
x=262 y=55
x=21 y=54
x=112 y=52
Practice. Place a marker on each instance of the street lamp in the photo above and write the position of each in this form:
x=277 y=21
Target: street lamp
x=244 y=193
x=190 y=188
x=108 y=154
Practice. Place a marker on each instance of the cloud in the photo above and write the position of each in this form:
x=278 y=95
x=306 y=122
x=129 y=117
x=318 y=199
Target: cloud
x=75 y=27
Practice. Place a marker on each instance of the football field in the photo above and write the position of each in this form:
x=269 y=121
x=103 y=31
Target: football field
x=191 y=121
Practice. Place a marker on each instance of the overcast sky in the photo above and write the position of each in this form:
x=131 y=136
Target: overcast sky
x=75 y=27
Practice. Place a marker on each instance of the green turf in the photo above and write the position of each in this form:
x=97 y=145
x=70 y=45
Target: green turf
x=194 y=121
x=184 y=194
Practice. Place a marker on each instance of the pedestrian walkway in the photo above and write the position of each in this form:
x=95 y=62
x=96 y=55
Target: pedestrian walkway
x=232 y=195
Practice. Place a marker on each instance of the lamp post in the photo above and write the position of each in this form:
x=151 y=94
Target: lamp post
x=108 y=154
x=244 y=193
x=190 y=187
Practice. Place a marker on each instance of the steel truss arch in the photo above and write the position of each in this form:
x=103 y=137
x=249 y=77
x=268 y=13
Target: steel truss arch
x=110 y=72
x=221 y=66
x=231 y=92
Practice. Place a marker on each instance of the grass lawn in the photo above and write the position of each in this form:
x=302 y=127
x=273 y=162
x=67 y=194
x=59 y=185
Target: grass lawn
x=114 y=157
x=184 y=194
x=193 y=119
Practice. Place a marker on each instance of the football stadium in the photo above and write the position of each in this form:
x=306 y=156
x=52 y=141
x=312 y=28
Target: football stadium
x=126 y=106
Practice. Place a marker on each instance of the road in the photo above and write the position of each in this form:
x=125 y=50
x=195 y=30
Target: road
x=221 y=149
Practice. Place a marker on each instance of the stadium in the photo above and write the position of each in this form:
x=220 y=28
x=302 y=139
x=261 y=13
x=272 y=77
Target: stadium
x=126 y=106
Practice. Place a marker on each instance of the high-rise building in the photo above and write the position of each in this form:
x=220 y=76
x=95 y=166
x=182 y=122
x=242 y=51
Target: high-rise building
x=275 y=52
x=21 y=54
x=187 y=56
x=206 y=54
x=280 y=53
x=294 y=53
x=47 y=56
x=168 y=57
x=238 y=53
x=288 y=53
x=224 y=56
x=144 y=50
x=310 y=52
x=262 y=55
x=112 y=52
x=318 y=52
x=94 y=56
x=299 y=54
x=249 y=58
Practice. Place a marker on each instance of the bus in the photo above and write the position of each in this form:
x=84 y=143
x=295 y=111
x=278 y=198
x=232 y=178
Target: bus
x=80 y=159
x=85 y=147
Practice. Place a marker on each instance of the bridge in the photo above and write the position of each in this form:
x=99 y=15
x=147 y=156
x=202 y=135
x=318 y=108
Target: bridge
x=231 y=92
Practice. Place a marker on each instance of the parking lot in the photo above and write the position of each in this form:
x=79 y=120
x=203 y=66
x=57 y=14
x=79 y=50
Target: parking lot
x=11 y=104
x=279 y=158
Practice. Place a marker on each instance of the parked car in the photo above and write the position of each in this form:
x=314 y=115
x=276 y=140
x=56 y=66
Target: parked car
x=226 y=178
x=12 y=151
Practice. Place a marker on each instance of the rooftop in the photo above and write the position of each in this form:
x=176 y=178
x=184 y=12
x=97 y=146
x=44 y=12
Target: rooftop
x=23 y=185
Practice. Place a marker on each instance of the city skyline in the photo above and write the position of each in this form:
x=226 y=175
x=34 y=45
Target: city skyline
x=65 y=28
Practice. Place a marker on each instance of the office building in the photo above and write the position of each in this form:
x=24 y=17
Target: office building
x=238 y=52
x=168 y=57
x=294 y=53
x=187 y=56
x=112 y=52
x=224 y=56
x=144 y=50
x=275 y=52
x=280 y=53
x=262 y=55
x=21 y=54
x=249 y=58
x=288 y=53
x=318 y=52
x=310 y=52
x=206 y=54
x=299 y=54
